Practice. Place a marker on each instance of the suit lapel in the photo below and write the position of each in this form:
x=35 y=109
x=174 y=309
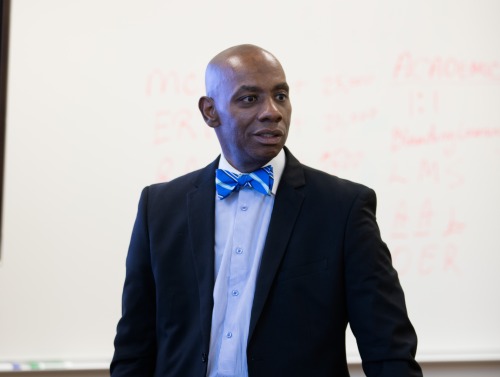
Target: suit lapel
x=286 y=208
x=201 y=223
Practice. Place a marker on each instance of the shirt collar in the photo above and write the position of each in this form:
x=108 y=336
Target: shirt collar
x=278 y=164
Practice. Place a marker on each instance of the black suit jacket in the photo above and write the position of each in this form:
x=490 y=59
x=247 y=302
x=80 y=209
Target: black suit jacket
x=323 y=265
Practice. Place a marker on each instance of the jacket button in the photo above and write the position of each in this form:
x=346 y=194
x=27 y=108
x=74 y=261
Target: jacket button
x=203 y=357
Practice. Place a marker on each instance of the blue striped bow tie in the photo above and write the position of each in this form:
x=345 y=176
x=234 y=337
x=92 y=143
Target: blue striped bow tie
x=227 y=182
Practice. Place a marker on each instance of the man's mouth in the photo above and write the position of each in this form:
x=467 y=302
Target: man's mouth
x=269 y=136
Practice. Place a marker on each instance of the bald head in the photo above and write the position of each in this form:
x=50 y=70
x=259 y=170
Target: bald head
x=248 y=105
x=224 y=65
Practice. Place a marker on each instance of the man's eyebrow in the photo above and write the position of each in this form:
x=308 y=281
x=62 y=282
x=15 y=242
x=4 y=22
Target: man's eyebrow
x=282 y=86
x=245 y=89
x=248 y=88
x=252 y=88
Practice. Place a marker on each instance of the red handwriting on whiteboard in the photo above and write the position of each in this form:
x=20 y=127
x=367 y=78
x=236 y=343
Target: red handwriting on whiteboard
x=426 y=260
x=400 y=221
x=422 y=222
x=172 y=82
x=398 y=175
x=342 y=84
x=177 y=125
x=418 y=243
x=433 y=258
x=421 y=102
x=341 y=159
x=335 y=121
x=409 y=67
x=450 y=263
x=445 y=171
x=429 y=170
x=425 y=219
x=454 y=226
x=404 y=137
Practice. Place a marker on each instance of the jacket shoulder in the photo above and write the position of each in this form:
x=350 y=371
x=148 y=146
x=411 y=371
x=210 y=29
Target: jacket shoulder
x=328 y=183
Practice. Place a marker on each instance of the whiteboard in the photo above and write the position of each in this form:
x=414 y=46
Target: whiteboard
x=102 y=100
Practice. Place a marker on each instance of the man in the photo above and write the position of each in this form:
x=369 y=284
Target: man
x=261 y=278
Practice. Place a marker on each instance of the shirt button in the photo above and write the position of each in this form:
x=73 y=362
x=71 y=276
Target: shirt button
x=235 y=292
x=239 y=250
x=244 y=207
x=229 y=334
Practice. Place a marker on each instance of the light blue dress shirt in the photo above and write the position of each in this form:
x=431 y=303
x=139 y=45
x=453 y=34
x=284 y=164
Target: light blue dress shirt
x=241 y=224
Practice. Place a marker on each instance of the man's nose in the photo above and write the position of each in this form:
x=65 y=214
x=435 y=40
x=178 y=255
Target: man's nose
x=270 y=111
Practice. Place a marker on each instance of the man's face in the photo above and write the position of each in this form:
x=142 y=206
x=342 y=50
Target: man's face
x=254 y=110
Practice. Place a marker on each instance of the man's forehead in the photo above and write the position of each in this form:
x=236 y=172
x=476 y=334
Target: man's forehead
x=258 y=57
x=243 y=66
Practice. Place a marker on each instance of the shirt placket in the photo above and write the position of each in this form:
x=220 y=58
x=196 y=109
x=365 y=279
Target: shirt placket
x=240 y=264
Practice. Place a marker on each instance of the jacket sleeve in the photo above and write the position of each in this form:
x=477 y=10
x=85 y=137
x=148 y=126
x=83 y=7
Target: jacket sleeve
x=135 y=341
x=377 y=313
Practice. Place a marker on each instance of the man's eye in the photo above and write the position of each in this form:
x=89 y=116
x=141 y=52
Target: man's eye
x=281 y=96
x=249 y=99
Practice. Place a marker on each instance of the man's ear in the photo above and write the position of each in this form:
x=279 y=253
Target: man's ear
x=208 y=111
